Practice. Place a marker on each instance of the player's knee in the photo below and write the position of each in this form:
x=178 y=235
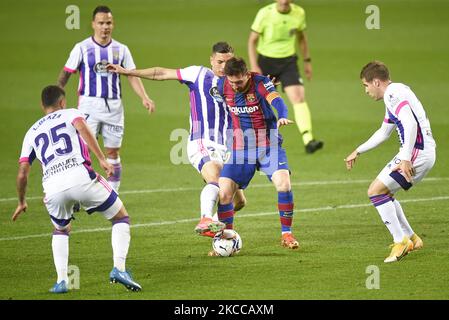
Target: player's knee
x=373 y=191
x=283 y=188
x=377 y=188
x=297 y=95
x=112 y=153
x=211 y=172
x=283 y=185
x=299 y=99
x=239 y=204
x=225 y=196
x=281 y=180
x=63 y=229
x=122 y=213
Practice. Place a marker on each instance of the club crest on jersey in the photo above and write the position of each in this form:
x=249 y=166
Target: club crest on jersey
x=215 y=94
x=250 y=97
x=100 y=68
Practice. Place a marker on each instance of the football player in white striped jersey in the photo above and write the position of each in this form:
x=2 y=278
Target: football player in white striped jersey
x=210 y=125
x=61 y=141
x=100 y=91
x=405 y=113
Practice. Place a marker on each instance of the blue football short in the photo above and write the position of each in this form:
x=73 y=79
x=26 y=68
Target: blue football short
x=242 y=164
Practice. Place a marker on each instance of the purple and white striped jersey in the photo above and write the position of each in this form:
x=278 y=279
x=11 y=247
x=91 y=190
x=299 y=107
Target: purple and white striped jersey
x=209 y=117
x=91 y=58
x=403 y=109
x=63 y=154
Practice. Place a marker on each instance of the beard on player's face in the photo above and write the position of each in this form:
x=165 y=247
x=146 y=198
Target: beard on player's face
x=239 y=83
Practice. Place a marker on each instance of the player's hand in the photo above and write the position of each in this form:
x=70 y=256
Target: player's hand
x=21 y=207
x=350 y=160
x=284 y=122
x=115 y=68
x=406 y=168
x=308 y=70
x=107 y=167
x=273 y=79
x=149 y=104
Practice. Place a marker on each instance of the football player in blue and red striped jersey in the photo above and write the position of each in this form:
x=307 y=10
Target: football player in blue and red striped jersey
x=257 y=144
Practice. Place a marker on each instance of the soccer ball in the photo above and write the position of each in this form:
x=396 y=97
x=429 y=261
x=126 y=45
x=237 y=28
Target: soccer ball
x=227 y=243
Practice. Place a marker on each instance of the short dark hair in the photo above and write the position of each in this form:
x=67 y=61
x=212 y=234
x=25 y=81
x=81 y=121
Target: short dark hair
x=102 y=9
x=375 y=70
x=51 y=95
x=235 y=66
x=222 y=47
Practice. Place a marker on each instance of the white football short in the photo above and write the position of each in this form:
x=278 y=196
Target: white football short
x=201 y=151
x=422 y=160
x=105 y=117
x=96 y=196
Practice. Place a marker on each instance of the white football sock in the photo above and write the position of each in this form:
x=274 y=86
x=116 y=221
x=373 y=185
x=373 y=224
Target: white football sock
x=403 y=220
x=387 y=212
x=208 y=199
x=121 y=237
x=60 y=247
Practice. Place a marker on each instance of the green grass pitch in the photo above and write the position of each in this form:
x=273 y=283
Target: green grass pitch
x=340 y=233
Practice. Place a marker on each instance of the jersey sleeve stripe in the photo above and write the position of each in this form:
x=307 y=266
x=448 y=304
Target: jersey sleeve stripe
x=178 y=74
x=31 y=157
x=69 y=70
x=400 y=106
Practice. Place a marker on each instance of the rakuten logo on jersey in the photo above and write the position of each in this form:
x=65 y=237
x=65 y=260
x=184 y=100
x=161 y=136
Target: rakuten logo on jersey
x=246 y=109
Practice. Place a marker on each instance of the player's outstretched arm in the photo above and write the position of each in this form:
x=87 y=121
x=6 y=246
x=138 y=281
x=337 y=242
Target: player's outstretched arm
x=87 y=135
x=156 y=73
x=378 y=137
x=381 y=135
x=350 y=159
x=22 y=181
x=116 y=68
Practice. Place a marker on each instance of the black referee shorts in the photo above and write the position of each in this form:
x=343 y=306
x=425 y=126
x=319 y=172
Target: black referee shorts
x=284 y=69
